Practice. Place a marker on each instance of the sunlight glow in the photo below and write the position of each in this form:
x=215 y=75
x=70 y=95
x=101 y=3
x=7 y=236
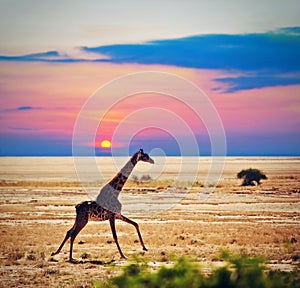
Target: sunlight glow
x=105 y=144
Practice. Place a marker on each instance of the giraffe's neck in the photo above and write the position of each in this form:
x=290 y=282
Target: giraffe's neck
x=120 y=179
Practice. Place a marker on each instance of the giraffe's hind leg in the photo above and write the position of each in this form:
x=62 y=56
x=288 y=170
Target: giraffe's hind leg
x=72 y=233
x=77 y=228
x=125 y=219
x=63 y=242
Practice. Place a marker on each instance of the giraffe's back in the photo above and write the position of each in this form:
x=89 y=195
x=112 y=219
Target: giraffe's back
x=93 y=211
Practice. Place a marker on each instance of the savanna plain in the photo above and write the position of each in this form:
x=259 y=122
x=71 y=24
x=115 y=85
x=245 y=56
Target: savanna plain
x=184 y=207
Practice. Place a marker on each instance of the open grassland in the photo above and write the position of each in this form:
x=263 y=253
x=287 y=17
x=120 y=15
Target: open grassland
x=37 y=208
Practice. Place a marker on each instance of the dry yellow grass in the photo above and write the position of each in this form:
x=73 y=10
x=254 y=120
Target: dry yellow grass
x=35 y=215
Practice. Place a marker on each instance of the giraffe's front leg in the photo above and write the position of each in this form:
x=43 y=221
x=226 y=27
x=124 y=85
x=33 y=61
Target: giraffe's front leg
x=125 y=219
x=113 y=230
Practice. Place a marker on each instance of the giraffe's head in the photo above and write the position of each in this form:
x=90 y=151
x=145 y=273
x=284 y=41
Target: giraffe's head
x=142 y=156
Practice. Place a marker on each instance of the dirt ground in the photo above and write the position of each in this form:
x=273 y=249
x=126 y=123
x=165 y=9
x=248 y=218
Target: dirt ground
x=35 y=214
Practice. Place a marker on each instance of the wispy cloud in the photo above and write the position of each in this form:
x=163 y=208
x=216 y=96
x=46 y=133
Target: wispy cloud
x=259 y=80
x=21 y=108
x=76 y=54
x=22 y=128
x=24 y=108
x=44 y=56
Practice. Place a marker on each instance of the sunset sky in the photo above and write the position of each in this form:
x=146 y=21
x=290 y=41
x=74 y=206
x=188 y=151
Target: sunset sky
x=243 y=55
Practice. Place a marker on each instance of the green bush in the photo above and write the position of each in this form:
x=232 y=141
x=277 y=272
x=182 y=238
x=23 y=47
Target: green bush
x=238 y=272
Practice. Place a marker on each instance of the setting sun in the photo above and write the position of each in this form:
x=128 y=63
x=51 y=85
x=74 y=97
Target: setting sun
x=105 y=144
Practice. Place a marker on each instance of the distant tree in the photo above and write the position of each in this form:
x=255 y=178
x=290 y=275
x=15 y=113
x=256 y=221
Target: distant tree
x=135 y=179
x=145 y=178
x=251 y=176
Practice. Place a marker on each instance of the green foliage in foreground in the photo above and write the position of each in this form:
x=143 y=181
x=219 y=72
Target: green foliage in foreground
x=240 y=271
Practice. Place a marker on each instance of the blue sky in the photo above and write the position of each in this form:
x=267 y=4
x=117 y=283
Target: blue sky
x=31 y=26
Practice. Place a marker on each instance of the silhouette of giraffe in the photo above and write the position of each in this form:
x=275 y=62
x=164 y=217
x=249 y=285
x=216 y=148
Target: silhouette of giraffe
x=106 y=206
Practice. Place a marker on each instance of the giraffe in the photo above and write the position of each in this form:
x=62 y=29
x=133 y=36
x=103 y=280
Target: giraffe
x=106 y=206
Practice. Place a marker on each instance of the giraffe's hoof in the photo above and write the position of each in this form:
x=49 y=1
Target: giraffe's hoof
x=145 y=249
x=74 y=261
x=53 y=253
